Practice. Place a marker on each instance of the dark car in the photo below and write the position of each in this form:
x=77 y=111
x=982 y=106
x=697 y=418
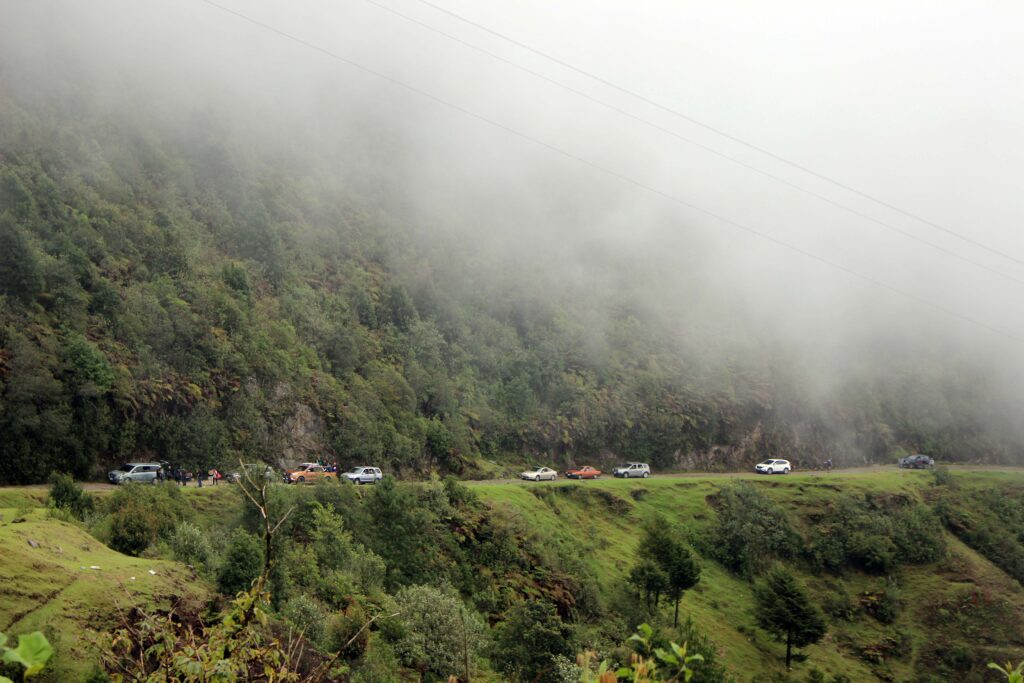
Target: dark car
x=917 y=462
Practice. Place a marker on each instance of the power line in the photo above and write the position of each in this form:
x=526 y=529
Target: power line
x=723 y=155
x=725 y=134
x=614 y=174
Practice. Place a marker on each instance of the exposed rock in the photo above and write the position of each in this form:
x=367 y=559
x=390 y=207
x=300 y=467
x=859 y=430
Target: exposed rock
x=303 y=436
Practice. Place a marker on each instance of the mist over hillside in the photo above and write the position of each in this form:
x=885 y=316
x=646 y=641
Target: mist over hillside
x=223 y=242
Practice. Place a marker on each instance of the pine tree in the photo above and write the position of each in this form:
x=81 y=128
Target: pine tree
x=784 y=609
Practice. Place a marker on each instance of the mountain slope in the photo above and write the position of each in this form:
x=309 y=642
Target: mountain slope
x=169 y=293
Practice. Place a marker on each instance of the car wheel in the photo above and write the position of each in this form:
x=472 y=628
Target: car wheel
x=785 y=471
x=646 y=474
x=302 y=480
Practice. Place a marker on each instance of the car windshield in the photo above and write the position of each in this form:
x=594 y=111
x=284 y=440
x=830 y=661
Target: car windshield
x=356 y=470
x=125 y=468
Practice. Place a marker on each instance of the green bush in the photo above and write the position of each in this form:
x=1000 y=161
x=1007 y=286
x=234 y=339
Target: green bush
x=190 y=545
x=837 y=602
x=132 y=529
x=437 y=631
x=165 y=504
x=860 y=533
x=345 y=632
x=943 y=477
x=308 y=617
x=751 y=530
x=883 y=604
x=65 y=494
x=242 y=563
x=919 y=535
x=528 y=640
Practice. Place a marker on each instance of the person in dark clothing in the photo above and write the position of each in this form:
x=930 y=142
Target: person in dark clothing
x=199 y=479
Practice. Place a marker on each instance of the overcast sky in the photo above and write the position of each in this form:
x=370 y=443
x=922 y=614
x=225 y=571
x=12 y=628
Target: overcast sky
x=919 y=104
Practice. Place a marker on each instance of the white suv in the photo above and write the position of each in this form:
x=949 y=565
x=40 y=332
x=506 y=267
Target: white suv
x=363 y=475
x=628 y=470
x=773 y=467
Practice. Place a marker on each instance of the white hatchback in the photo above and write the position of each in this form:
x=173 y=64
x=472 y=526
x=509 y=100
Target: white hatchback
x=773 y=467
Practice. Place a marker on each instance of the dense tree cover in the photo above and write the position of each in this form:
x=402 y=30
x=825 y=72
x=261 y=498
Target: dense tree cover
x=181 y=298
x=876 y=535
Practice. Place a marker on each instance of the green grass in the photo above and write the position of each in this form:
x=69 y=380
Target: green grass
x=48 y=583
x=46 y=587
x=605 y=517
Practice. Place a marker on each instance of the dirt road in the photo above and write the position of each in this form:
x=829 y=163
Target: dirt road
x=99 y=487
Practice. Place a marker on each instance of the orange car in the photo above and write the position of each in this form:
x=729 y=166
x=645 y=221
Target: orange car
x=310 y=472
x=585 y=472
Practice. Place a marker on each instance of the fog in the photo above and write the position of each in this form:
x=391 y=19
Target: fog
x=916 y=104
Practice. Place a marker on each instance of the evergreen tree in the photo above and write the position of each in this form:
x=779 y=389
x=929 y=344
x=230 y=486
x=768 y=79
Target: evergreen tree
x=674 y=562
x=784 y=609
x=20 y=274
x=683 y=574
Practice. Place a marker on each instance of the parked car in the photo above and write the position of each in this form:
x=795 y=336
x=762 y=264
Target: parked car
x=310 y=474
x=628 y=470
x=773 y=467
x=585 y=472
x=363 y=475
x=917 y=462
x=135 y=472
x=539 y=474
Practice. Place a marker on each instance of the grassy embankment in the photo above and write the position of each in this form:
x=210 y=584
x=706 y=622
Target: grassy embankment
x=55 y=577
x=938 y=599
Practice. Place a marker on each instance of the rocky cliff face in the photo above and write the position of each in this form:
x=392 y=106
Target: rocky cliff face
x=303 y=437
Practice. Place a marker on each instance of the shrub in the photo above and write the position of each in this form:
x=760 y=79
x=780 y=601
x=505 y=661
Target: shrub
x=437 y=631
x=943 y=477
x=65 y=494
x=883 y=604
x=751 y=530
x=242 y=563
x=919 y=535
x=190 y=545
x=859 y=533
x=345 y=632
x=838 y=603
x=132 y=529
x=165 y=504
x=306 y=615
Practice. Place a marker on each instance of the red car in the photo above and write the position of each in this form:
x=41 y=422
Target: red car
x=585 y=472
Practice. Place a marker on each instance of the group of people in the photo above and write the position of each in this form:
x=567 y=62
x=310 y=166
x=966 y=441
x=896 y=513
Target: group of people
x=182 y=477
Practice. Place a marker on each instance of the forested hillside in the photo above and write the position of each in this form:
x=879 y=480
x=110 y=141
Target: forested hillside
x=184 y=296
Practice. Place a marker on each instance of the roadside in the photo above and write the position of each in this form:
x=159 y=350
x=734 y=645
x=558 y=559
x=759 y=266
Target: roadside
x=101 y=487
